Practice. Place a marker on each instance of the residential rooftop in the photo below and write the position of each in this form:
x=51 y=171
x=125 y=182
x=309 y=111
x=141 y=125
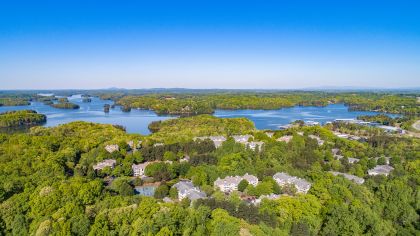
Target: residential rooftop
x=353 y=178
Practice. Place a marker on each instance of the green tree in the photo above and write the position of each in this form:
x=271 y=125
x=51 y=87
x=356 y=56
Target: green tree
x=242 y=185
x=161 y=191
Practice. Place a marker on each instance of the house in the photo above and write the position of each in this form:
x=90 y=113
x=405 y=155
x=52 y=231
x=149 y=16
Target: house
x=230 y=183
x=285 y=138
x=390 y=129
x=335 y=151
x=311 y=123
x=112 y=148
x=353 y=178
x=217 y=140
x=338 y=157
x=138 y=170
x=167 y=200
x=288 y=126
x=269 y=134
x=185 y=159
x=242 y=138
x=348 y=136
x=253 y=145
x=355 y=138
x=381 y=170
x=283 y=179
x=347 y=121
x=341 y=135
x=105 y=163
x=158 y=144
x=186 y=189
x=318 y=139
x=353 y=160
x=131 y=145
x=251 y=179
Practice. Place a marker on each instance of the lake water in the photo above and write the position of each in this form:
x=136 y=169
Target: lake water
x=137 y=121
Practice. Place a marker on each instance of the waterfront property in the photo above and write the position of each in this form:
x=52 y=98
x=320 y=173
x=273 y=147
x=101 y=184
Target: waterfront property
x=386 y=128
x=282 y=179
x=311 y=123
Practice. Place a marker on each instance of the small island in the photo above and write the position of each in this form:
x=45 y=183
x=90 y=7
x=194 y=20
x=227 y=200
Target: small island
x=65 y=105
x=21 y=118
x=106 y=108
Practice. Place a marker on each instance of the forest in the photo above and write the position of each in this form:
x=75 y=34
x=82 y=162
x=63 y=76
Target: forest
x=13 y=101
x=21 y=118
x=48 y=185
x=193 y=104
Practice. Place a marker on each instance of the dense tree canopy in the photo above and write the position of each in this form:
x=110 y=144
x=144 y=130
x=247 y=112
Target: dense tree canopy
x=193 y=104
x=48 y=185
x=21 y=118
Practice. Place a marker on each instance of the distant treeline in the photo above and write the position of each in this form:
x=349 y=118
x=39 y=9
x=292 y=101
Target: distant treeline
x=193 y=104
x=14 y=102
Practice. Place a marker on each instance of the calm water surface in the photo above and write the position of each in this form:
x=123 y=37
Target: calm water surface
x=137 y=121
x=272 y=119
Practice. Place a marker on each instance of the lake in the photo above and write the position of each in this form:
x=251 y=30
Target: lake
x=137 y=121
x=272 y=119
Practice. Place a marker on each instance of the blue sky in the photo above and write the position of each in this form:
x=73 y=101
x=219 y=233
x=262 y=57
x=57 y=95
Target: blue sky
x=209 y=44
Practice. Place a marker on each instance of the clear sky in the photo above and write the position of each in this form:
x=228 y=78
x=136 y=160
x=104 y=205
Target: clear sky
x=209 y=44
